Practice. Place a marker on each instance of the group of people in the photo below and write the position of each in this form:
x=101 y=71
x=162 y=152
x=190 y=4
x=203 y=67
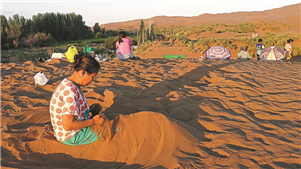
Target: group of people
x=72 y=117
x=244 y=55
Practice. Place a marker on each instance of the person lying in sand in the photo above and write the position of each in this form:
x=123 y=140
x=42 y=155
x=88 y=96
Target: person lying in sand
x=69 y=110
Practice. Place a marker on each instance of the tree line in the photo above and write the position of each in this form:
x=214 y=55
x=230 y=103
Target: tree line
x=42 y=30
x=146 y=34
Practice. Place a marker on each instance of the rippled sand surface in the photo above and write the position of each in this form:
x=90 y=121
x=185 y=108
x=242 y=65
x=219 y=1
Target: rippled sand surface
x=165 y=113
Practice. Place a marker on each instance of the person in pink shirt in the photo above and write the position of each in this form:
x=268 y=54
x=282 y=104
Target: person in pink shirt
x=123 y=46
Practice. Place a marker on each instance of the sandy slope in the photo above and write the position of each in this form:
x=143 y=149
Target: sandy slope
x=288 y=14
x=167 y=114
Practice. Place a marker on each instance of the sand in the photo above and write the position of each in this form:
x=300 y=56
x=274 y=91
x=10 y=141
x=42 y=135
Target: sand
x=157 y=51
x=181 y=113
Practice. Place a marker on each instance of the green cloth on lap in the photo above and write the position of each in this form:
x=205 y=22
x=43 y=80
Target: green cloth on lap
x=82 y=137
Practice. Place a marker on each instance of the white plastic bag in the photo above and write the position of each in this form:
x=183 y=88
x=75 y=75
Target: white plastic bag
x=40 y=79
x=58 y=56
x=100 y=58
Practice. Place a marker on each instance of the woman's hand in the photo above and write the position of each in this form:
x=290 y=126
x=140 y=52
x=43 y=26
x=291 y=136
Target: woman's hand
x=99 y=119
x=95 y=109
x=70 y=122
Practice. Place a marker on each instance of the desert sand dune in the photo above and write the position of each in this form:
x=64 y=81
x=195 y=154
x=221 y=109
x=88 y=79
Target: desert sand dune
x=288 y=14
x=177 y=113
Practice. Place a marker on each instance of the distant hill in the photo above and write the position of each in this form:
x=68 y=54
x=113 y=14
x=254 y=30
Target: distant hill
x=288 y=15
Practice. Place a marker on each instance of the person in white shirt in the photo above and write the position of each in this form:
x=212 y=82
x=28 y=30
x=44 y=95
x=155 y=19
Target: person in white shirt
x=243 y=54
x=289 y=49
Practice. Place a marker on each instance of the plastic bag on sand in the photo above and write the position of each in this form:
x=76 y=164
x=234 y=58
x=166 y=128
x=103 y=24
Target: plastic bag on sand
x=58 y=56
x=100 y=58
x=40 y=79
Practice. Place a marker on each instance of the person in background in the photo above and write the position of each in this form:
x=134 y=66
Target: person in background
x=69 y=110
x=243 y=54
x=289 y=49
x=259 y=48
x=123 y=46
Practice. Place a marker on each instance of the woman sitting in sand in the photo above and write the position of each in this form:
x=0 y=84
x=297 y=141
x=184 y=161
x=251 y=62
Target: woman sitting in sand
x=69 y=110
x=123 y=46
x=243 y=54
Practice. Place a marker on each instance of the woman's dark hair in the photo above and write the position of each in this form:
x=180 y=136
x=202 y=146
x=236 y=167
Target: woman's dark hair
x=290 y=40
x=86 y=63
x=122 y=34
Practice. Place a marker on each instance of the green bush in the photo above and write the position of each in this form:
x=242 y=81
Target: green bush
x=296 y=51
x=99 y=35
x=110 y=43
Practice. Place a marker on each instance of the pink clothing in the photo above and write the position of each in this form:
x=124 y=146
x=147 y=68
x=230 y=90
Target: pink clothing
x=67 y=99
x=124 y=47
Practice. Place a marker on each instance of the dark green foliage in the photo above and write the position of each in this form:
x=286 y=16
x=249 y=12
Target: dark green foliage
x=151 y=31
x=133 y=42
x=99 y=35
x=4 y=37
x=112 y=33
x=38 y=40
x=96 y=28
x=141 y=33
x=110 y=43
x=24 y=54
x=62 y=27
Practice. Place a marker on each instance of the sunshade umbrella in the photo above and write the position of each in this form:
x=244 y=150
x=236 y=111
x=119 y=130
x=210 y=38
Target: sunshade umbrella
x=272 y=53
x=218 y=52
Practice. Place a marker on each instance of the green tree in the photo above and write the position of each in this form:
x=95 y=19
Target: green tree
x=110 y=43
x=4 y=37
x=16 y=30
x=61 y=26
x=151 y=31
x=15 y=25
x=4 y=26
x=96 y=28
x=103 y=30
x=99 y=35
x=141 y=33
